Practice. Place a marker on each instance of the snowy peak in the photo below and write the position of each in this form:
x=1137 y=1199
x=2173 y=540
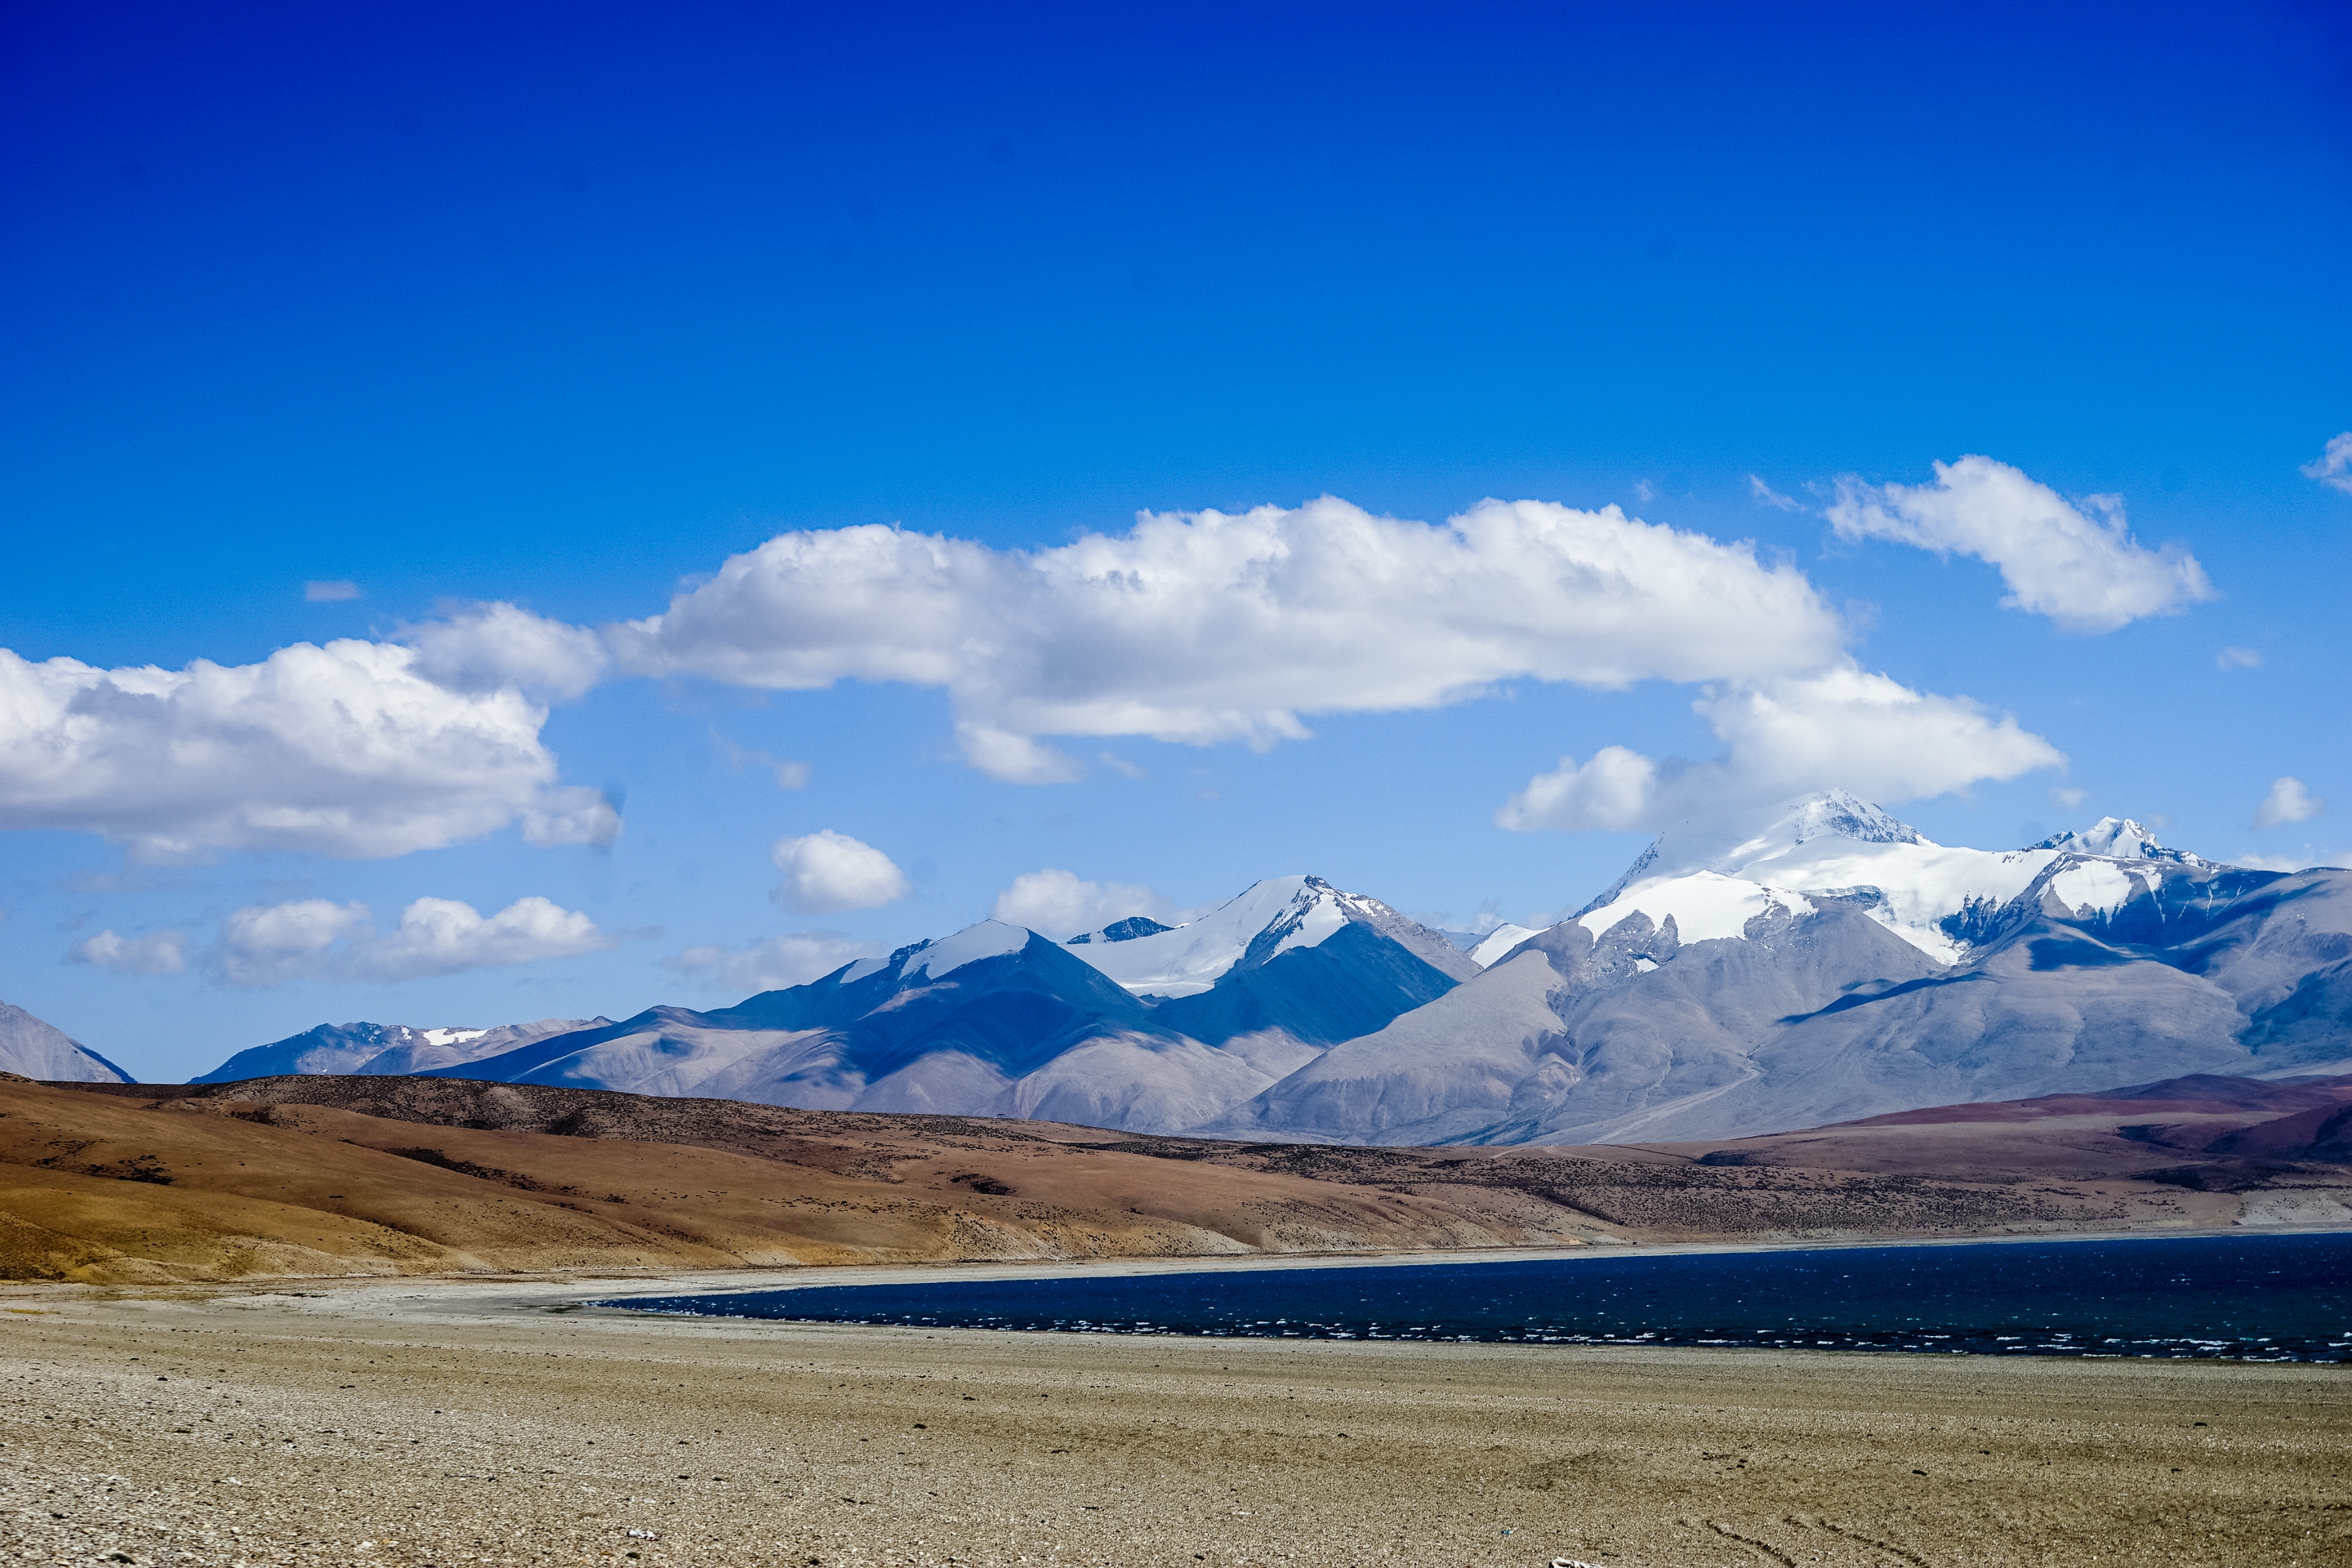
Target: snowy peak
x=1264 y=921
x=2119 y=838
x=1943 y=901
x=379 y=1050
x=1733 y=843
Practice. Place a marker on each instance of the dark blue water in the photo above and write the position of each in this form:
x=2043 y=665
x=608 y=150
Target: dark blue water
x=2246 y=1297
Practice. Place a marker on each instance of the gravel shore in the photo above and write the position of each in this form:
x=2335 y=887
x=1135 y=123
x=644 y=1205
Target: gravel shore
x=427 y=1423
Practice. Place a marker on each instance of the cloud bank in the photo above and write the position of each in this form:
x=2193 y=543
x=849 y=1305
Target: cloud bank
x=347 y=751
x=1205 y=627
x=315 y=939
x=2077 y=564
x=1201 y=628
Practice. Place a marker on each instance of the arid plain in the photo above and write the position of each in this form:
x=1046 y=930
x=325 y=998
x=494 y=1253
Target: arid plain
x=341 y=1321
x=409 y=1423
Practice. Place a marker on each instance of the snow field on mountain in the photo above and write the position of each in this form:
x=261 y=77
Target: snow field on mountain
x=1703 y=906
x=1189 y=959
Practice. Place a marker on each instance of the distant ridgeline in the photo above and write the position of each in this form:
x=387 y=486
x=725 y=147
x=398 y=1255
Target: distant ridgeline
x=1818 y=962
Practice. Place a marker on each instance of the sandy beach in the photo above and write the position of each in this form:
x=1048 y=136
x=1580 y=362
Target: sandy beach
x=419 y=1422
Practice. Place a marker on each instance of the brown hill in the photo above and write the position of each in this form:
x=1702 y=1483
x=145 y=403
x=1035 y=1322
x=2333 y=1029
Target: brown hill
x=316 y=1177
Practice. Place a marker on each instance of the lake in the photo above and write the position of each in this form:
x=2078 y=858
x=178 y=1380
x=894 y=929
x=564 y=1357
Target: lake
x=2246 y=1297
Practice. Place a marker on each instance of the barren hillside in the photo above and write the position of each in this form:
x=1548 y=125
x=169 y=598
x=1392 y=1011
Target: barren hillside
x=321 y=1176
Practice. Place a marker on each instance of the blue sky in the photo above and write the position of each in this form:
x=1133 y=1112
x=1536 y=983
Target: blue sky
x=564 y=308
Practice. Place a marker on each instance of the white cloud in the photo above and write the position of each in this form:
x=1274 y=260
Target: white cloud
x=346 y=751
x=158 y=952
x=330 y=591
x=1845 y=727
x=1061 y=904
x=488 y=648
x=265 y=944
x=573 y=814
x=826 y=872
x=1122 y=767
x=1771 y=497
x=1207 y=627
x=2238 y=658
x=442 y=936
x=794 y=957
x=2288 y=801
x=2333 y=467
x=2067 y=799
x=2075 y=563
x=314 y=939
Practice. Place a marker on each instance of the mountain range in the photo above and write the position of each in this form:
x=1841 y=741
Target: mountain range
x=1818 y=962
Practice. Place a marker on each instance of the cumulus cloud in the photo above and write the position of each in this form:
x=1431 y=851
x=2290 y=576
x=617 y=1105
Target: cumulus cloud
x=1846 y=726
x=2238 y=658
x=794 y=957
x=330 y=591
x=2288 y=801
x=488 y=647
x=347 y=750
x=2066 y=798
x=1061 y=904
x=315 y=939
x=158 y=952
x=826 y=872
x=1771 y=497
x=2075 y=563
x=1206 y=627
x=2333 y=467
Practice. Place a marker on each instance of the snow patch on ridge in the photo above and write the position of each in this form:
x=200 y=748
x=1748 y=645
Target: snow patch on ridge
x=1498 y=941
x=1301 y=911
x=2099 y=887
x=987 y=939
x=1705 y=907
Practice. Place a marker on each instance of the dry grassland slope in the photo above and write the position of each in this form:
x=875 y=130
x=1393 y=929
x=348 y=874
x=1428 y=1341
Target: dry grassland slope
x=324 y=1177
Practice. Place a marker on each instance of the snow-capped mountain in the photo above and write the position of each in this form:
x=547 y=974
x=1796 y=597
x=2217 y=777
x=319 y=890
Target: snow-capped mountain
x=1824 y=960
x=994 y=1020
x=1833 y=845
x=1268 y=919
x=1138 y=1026
x=37 y=1049
x=382 y=1049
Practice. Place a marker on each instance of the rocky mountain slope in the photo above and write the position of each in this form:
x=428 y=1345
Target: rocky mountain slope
x=380 y=1049
x=1138 y=1026
x=1816 y=961
x=1827 y=962
x=35 y=1048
